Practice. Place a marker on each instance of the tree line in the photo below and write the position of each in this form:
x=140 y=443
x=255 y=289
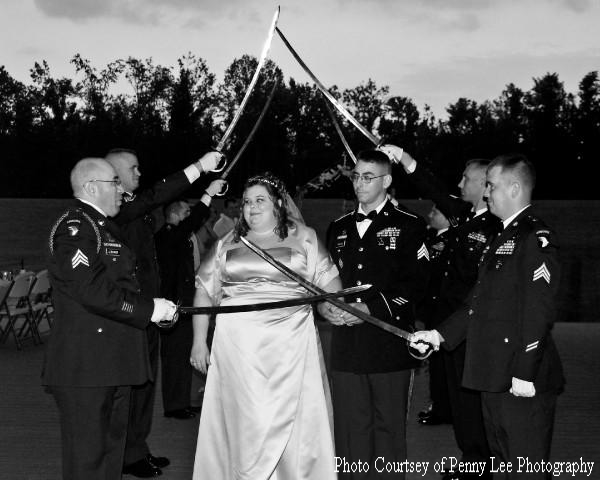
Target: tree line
x=174 y=114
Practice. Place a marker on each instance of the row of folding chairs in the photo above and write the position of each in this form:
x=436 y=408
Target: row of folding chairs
x=25 y=302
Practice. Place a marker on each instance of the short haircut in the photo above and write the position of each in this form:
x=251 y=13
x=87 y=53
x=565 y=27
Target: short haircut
x=375 y=156
x=482 y=163
x=174 y=207
x=85 y=170
x=518 y=165
x=116 y=151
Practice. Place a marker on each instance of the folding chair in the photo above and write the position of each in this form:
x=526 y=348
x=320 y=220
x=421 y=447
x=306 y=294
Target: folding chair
x=40 y=300
x=16 y=306
x=4 y=289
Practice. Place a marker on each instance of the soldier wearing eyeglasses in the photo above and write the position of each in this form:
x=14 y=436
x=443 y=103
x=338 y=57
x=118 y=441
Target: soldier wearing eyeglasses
x=97 y=347
x=383 y=245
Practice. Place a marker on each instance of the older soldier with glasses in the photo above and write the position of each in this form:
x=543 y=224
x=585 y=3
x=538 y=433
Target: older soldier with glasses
x=97 y=348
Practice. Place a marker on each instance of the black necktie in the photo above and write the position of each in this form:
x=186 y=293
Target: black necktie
x=359 y=217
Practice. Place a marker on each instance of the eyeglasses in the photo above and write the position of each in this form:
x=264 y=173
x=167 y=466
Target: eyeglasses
x=116 y=183
x=355 y=177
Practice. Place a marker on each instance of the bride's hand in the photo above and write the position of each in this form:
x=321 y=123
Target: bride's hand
x=200 y=357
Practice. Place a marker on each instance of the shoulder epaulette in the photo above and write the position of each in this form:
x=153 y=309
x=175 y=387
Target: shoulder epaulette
x=344 y=215
x=405 y=212
x=63 y=217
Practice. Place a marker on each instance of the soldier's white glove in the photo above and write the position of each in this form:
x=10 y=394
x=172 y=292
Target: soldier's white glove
x=163 y=310
x=428 y=336
x=215 y=187
x=522 y=388
x=209 y=161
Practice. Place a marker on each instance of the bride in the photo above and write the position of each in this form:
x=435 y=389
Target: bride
x=267 y=410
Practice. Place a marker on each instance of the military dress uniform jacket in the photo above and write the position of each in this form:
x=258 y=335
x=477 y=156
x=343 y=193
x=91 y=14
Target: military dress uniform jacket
x=510 y=312
x=98 y=337
x=467 y=238
x=176 y=256
x=139 y=226
x=392 y=257
x=428 y=307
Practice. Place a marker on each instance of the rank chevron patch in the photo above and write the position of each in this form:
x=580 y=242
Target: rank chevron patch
x=79 y=259
x=423 y=253
x=542 y=272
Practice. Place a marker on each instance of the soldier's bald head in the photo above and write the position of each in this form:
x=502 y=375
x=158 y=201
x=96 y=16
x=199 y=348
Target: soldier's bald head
x=85 y=170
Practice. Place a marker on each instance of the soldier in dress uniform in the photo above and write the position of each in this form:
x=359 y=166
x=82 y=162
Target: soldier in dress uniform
x=97 y=347
x=175 y=255
x=471 y=226
x=138 y=225
x=427 y=311
x=510 y=356
x=382 y=245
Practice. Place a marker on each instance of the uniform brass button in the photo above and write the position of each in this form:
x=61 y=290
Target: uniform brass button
x=506 y=340
x=387 y=248
x=99 y=330
x=358 y=282
x=360 y=249
x=471 y=312
x=359 y=266
x=445 y=274
x=359 y=300
x=114 y=259
x=397 y=318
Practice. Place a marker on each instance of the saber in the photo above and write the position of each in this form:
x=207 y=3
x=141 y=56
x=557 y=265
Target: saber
x=248 y=139
x=272 y=305
x=340 y=133
x=317 y=290
x=261 y=62
x=374 y=140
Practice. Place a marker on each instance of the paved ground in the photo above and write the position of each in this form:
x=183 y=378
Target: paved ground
x=30 y=445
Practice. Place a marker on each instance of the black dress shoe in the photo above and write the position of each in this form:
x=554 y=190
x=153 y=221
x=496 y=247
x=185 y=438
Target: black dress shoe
x=194 y=409
x=142 y=469
x=159 y=462
x=432 y=419
x=181 y=414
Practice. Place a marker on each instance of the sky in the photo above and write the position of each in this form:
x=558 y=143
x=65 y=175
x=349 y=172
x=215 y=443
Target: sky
x=433 y=51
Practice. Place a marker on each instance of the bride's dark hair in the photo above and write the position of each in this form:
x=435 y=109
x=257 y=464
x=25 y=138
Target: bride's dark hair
x=278 y=194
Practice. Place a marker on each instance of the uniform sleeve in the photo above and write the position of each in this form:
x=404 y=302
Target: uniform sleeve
x=538 y=285
x=208 y=276
x=395 y=302
x=429 y=186
x=146 y=201
x=82 y=275
x=454 y=329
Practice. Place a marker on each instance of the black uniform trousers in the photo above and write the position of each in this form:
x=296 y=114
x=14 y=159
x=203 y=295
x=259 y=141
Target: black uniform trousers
x=176 y=371
x=89 y=452
x=142 y=405
x=519 y=427
x=375 y=415
x=438 y=387
x=467 y=417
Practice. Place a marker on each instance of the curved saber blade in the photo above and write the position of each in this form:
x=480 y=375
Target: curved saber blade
x=311 y=287
x=261 y=62
x=376 y=141
x=252 y=132
x=273 y=305
x=338 y=129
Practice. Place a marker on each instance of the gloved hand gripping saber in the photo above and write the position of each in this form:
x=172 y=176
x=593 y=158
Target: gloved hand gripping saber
x=338 y=303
